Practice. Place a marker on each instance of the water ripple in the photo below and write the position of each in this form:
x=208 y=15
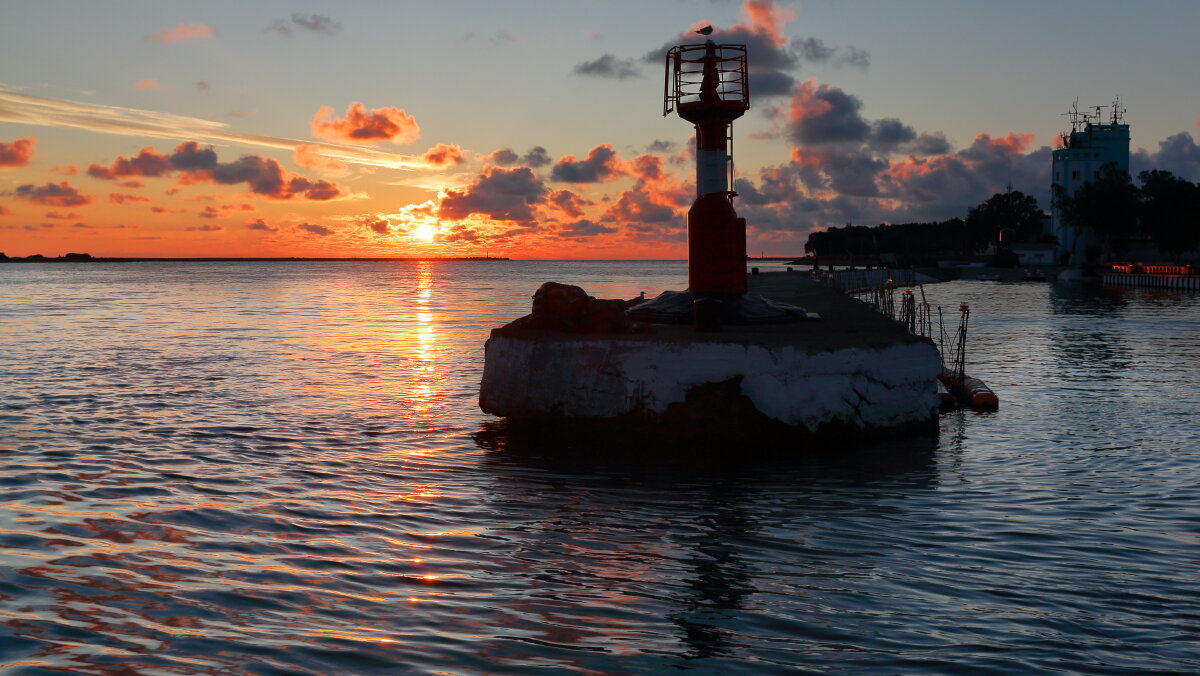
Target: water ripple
x=274 y=469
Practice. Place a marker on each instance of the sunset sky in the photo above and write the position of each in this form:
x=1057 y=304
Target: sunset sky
x=534 y=129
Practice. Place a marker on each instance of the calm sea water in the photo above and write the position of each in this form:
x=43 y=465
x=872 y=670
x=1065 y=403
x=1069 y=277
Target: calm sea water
x=280 y=468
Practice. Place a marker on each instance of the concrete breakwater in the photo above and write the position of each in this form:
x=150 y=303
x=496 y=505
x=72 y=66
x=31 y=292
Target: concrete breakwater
x=853 y=372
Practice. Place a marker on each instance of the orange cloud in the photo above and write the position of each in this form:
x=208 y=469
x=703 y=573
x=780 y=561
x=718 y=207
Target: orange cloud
x=5 y=211
x=308 y=155
x=182 y=32
x=208 y=227
x=68 y=170
x=360 y=126
x=655 y=202
x=57 y=195
x=767 y=19
x=1012 y=142
x=148 y=83
x=18 y=153
x=124 y=198
x=443 y=155
x=570 y=204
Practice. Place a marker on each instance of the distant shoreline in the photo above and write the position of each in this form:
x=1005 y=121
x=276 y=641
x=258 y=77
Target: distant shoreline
x=135 y=259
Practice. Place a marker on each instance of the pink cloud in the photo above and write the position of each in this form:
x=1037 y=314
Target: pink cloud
x=18 y=153
x=442 y=155
x=308 y=155
x=148 y=83
x=767 y=19
x=182 y=32
x=363 y=126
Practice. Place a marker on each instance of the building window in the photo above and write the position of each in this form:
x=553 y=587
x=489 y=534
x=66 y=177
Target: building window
x=1075 y=175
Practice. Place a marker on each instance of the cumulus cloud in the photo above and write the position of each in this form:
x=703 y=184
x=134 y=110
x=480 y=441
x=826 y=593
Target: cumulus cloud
x=376 y=224
x=931 y=144
x=61 y=216
x=363 y=126
x=319 y=230
x=461 y=232
x=54 y=194
x=608 y=66
x=18 y=153
x=567 y=202
x=601 y=164
x=181 y=32
x=313 y=23
x=833 y=185
x=653 y=206
x=497 y=193
x=503 y=157
x=775 y=56
x=442 y=155
x=536 y=157
x=1178 y=154
x=825 y=114
x=264 y=175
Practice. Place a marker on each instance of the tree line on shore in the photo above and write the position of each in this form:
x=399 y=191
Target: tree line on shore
x=1164 y=210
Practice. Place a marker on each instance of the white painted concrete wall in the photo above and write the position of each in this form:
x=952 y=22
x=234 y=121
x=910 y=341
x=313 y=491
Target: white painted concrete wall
x=601 y=378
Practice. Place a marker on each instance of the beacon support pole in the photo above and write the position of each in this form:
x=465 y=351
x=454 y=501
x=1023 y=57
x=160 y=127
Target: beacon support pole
x=707 y=85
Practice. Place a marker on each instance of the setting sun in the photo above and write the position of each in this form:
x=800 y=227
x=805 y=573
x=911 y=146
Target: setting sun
x=424 y=232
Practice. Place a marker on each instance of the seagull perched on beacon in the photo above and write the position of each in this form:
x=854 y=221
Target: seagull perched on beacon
x=707 y=30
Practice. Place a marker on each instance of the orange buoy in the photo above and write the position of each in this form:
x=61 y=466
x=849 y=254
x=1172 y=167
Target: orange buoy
x=971 y=391
x=979 y=396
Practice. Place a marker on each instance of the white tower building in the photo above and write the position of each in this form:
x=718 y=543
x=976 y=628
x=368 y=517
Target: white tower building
x=1089 y=146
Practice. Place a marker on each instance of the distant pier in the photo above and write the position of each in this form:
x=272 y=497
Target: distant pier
x=1173 y=277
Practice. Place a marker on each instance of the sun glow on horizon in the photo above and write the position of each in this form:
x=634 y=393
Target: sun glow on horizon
x=424 y=232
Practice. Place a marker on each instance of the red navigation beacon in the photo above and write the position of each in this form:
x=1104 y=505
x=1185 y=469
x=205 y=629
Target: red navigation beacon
x=707 y=85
